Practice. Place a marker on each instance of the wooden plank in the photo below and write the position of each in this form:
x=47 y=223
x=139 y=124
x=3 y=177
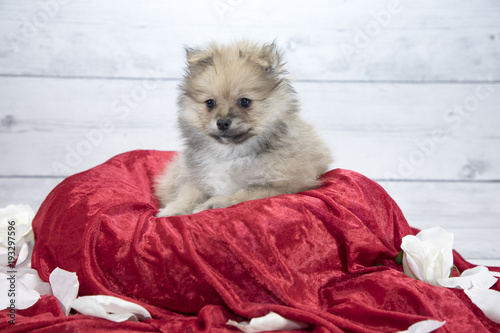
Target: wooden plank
x=485 y=262
x=333 y=40
x=31 y=191
x=469 y=210
x=466 y=210
x=477 y=243
x=325 y=13
x=454 y=205
x=387 y=131
x=64 y=152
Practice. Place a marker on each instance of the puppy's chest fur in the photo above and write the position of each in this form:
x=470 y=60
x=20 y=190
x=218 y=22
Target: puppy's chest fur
x=226 y=176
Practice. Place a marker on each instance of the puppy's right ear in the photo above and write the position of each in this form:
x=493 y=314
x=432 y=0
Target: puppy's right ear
x=198 y=58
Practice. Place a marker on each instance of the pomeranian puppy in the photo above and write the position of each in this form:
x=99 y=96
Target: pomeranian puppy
x=243 y=136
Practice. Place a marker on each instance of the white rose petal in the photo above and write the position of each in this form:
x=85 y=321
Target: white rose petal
x=476 y=283
x=65 y=287
x=425 y=326
x=15 y=225
x=31 y=280
x=411 y=266
x=478 y=277
x=25 y=253
x=110 y=308
x=428 y=256
x=21 y=287
x=488 y=300
x=270 y=322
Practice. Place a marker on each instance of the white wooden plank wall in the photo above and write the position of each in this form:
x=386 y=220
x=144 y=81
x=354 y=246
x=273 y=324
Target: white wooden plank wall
x=405 y=92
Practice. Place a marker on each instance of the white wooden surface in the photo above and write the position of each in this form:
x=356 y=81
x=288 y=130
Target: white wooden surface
x=405 y=92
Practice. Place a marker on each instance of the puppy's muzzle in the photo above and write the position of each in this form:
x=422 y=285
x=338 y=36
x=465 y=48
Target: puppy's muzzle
x=223 y=124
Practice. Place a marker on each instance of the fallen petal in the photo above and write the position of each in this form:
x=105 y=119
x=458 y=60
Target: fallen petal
x=26 y=297
x=425 y=326
x=23 y=298
x=497 y=274
x=478 y=277
x=65 y=287
x=488 y=300
x=270 y=322
x=30 y=279
x=110 y=308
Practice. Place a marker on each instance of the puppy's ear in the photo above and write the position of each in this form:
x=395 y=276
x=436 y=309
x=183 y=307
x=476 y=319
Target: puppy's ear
x=272 y=54
x=198 y=58
x=269 y=58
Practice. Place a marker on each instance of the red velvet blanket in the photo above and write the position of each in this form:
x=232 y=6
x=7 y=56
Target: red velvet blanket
x=322 y=257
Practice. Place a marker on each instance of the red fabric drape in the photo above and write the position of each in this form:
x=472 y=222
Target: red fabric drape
x=323 y=257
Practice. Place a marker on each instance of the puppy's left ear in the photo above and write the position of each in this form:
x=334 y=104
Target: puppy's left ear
x=270 y=58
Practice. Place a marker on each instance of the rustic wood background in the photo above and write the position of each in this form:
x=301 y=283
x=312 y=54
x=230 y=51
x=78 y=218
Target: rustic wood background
x=405 y=92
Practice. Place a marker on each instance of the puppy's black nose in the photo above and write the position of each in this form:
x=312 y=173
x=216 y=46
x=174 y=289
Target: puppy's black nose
x=223 y=124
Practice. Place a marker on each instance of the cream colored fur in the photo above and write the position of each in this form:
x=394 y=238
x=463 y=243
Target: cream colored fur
x=267 y=150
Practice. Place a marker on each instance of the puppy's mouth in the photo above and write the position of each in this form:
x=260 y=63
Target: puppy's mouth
x=236 y=138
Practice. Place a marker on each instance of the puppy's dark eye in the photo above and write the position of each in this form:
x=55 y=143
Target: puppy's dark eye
x=245 y=102
x=210 y=103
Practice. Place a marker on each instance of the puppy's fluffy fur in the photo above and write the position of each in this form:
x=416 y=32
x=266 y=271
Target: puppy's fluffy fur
x=243 y=136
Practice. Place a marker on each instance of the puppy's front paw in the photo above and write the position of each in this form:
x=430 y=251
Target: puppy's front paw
x=213 y=203
x=171 y=211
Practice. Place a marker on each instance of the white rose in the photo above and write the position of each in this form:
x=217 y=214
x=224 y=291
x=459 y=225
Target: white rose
x=428 y=256
x=15 y=233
